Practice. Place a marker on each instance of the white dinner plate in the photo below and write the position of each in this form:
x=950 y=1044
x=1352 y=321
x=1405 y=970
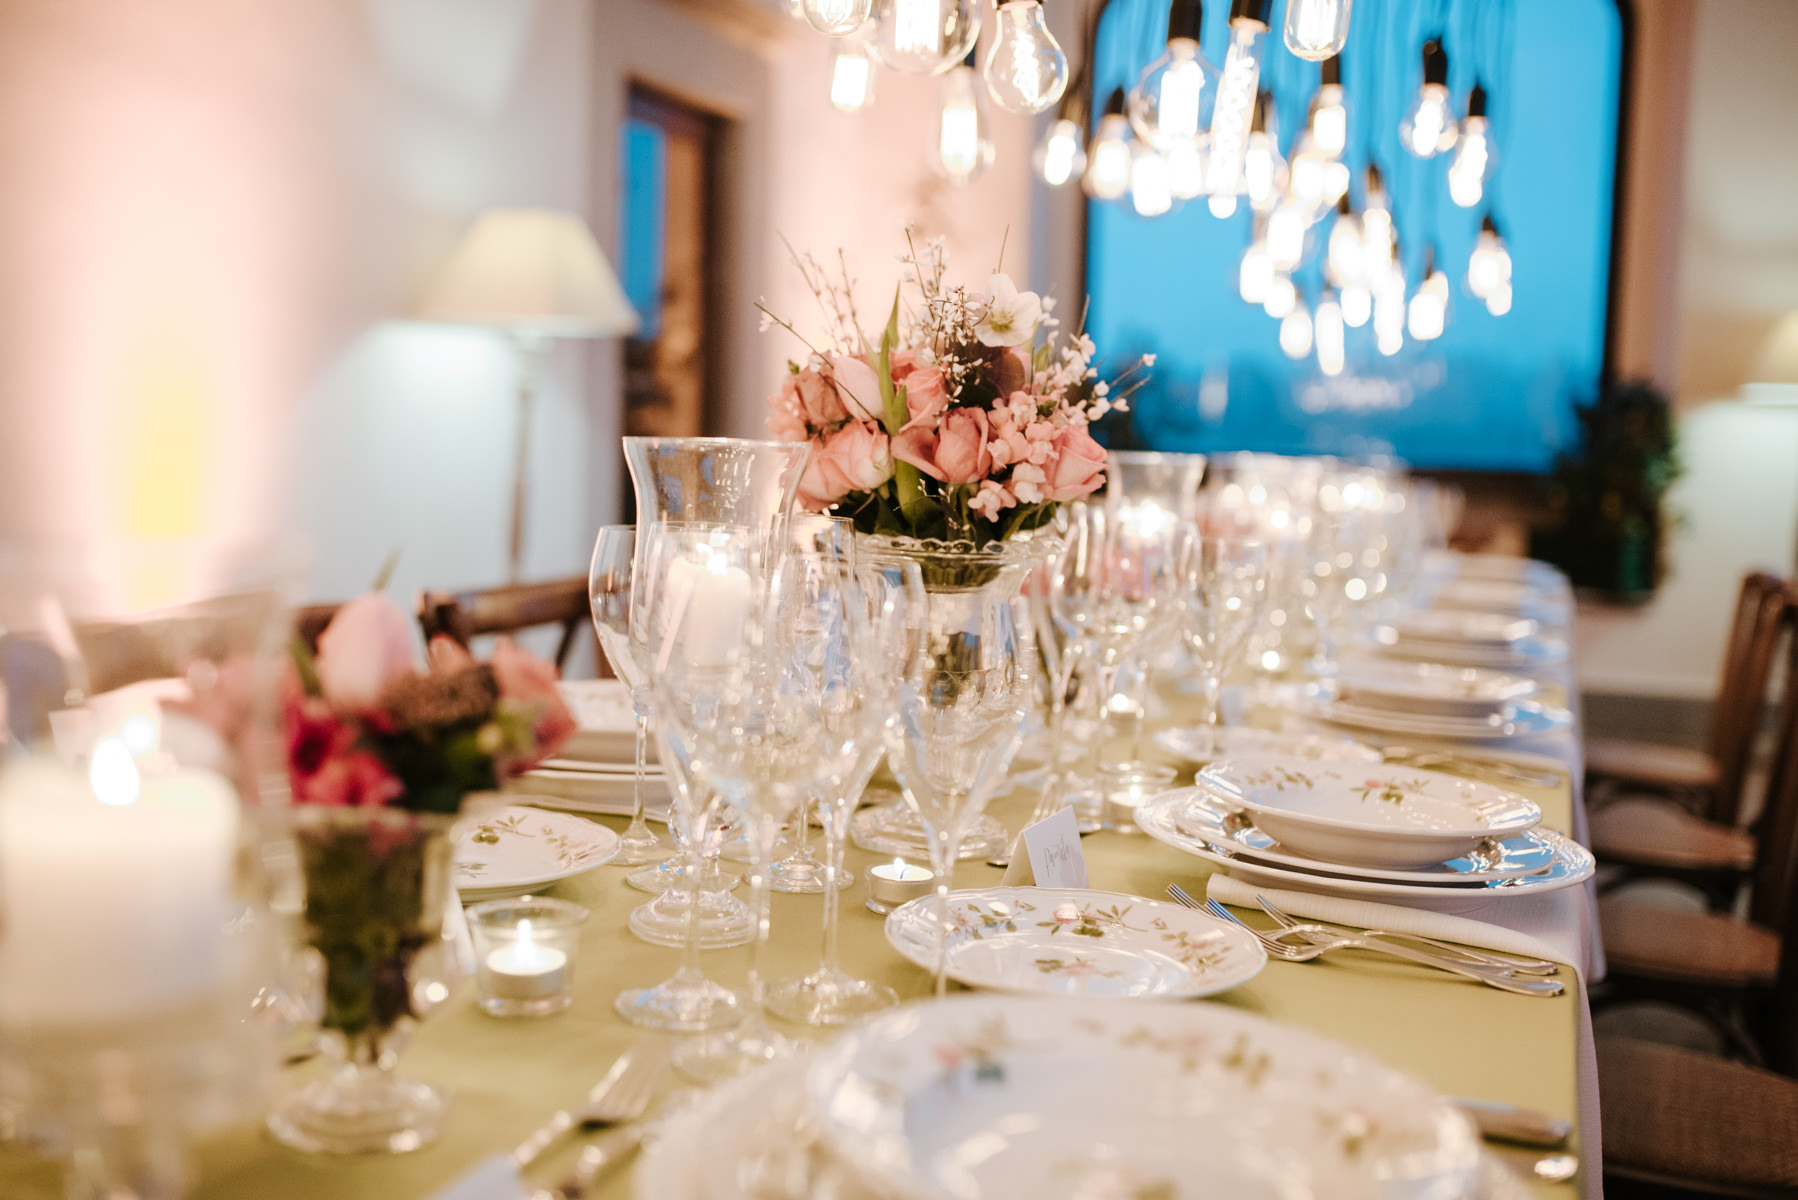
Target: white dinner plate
x=1529 y=654
x=606 y=723
x=1573 y=865
x=1514 y=599
x=1063 y=941
x=1198 y=746
x=1426 y=688
x=1525 y=718
x=1454 y=625
x=1365 y=814
x=1212 y=819
x=1071 y=1097
x=517 y=849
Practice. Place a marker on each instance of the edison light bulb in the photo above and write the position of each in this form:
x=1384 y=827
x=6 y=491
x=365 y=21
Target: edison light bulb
x=1282 y=297
x=1489 y=266
x=1166 y=101
x=924 y=37
x=1428 y=127
x=837 y=17
x=1357 y=305
x=1025 y=70
x=1108 y=158
x=1378 y=238
x=1295 y=331
x=1329 y=114
x=1234 y=110
x=1389 y=310
x=964 y=143
x=1060 y=156
x=1344 y=259
x=1151 y=194
x=1310 y=175
x=1499 y=302
x=1286 y=234
x=1186 y=168
x=1255 y=276
x=1428 y=313
x=1328 y=333
x=1475 y=156
x=1316 y=29
x=852 y=78
x=1264 y=172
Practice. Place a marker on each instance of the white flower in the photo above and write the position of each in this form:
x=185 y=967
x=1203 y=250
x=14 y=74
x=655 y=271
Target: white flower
x=1011 y=315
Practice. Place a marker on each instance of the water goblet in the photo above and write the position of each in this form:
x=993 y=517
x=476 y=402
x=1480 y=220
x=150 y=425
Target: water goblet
x=610 y=580
x=1225 y=588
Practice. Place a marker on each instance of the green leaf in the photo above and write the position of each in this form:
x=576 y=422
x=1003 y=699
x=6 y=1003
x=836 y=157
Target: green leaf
x=892 y=400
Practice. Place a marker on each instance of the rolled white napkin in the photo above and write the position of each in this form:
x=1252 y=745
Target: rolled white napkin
x=1558 y=935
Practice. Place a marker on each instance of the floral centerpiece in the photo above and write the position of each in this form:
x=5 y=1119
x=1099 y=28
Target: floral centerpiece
x=380 y=756
x=967 y=422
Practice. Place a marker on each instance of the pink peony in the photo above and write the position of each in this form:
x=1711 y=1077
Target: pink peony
x=365 y=649
x=1079 y=466
x=527 y=679
x=818 y=398
x=857 y=386
x=323 y=764
x=925 y=393
x=961 y=452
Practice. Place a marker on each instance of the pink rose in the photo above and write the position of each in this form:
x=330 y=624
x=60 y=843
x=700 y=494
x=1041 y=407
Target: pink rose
x=818 y=398
x=856 y=458
x=1079 y=465
x=925 y=393
x=903 y=362
x=786 y=421
x=365 y=649
x=527 y=679
x=961 y=452
x=857 y=386
x=915 y=444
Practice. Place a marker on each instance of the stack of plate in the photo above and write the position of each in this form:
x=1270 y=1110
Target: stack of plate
x=1001 y=1098
x=597 y=770
x=1478 y=639
x=1374 y=830
x=1432 y=700
x=1197 y=746
x=517 y=850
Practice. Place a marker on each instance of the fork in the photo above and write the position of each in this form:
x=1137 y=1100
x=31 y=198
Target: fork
x=621 y=1096
x=1319 y=941
x=1518 y=966
x=1492 y=768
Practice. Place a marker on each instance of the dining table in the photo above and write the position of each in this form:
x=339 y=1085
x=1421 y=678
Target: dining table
x=508 y=1075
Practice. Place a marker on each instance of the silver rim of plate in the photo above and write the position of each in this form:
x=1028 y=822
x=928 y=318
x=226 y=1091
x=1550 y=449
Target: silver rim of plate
x=1524 y=718
x=1187 y=744
x=518 y=849
x=1213 y=820
x=1524 y=655
x=1159 y=818
x=1067 y=941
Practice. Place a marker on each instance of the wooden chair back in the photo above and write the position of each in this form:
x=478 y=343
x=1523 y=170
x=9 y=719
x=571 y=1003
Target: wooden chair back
x=1742 y=692
x=464 y=616
x=1776 y=834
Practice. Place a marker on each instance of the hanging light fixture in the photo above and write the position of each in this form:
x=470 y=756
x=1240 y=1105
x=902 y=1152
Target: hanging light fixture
x=1186 y=168
x=836 y=17
x=1475 y=156
x=1316 y=29
x=1286 y=227
x=1329 y=113
x=924 y=37
x=1233 y=112
x=1379 y=240
x=1264 y=172
x=1388 y=288
x=1344 y=259
x=1428 y=127
x=1108 y=158
x=1061 y=155
x=964 y=143
x=1357 y=305
x=1255 y=274
x=1332 y=349
x=1295 y=330
x=1282 y=297
x=1428 y=312
x=1499 y=302
x=1151 y=192
x=852 y=78
x=1489 y=266
x=1026 y=70
x=1165 y=103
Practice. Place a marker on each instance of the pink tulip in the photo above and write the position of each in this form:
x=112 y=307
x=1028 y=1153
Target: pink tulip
x=365 y=650
x=857 y=386
x=1079 y=465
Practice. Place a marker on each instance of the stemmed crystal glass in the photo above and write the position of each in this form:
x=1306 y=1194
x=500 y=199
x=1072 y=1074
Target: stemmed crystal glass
x=961 y=665
x=609 y=587
x=1345 y=551
x=1224 y=581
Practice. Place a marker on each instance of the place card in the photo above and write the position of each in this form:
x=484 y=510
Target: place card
x=1052 y=855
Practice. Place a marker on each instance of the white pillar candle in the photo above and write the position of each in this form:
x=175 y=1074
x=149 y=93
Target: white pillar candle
x=113 y=911
x=708 y=607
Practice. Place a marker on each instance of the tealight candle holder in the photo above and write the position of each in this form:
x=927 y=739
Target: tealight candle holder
x=524 y=954
x=1126 y=787
x=898 y=882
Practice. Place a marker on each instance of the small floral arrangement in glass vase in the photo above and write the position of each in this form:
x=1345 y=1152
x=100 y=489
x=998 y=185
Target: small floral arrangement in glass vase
x=967 y=422
x=380 y=756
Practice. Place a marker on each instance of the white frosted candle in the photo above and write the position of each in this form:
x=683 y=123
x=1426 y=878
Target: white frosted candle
x=112 y=911
x=525 y=970
x=708 y=609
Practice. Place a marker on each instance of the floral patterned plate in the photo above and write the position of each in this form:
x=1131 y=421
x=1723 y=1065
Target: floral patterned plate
x=1524 y=718
x=1070 y=1097
x=515 y=850
x=1430 y=688
x=1077 y=942
x=1198 y=746
x=1367 y=815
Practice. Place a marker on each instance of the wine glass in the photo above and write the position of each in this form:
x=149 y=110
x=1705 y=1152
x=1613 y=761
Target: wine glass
x=1225 y=587
x=609 y=588
x=963 y=676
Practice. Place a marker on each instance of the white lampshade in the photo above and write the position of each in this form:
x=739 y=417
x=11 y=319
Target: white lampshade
x=531 y=270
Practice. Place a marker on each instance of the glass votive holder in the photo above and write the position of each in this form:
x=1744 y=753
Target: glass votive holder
x=524 y=952
x=1125 y=787
x=898 y=882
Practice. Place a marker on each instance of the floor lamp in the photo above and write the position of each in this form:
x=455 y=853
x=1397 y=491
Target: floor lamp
x=537 y=275
x=1774 y=380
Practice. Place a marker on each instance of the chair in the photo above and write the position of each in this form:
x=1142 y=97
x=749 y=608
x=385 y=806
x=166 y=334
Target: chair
x=1657 y=833
x=464 y=616
x=1716 y=772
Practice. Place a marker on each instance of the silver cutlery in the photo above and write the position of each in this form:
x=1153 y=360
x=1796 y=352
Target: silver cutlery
x=1517 y=965
x=621 y=1096
x=1317 y=941
x=1493 y=769
x=1519 y=1126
